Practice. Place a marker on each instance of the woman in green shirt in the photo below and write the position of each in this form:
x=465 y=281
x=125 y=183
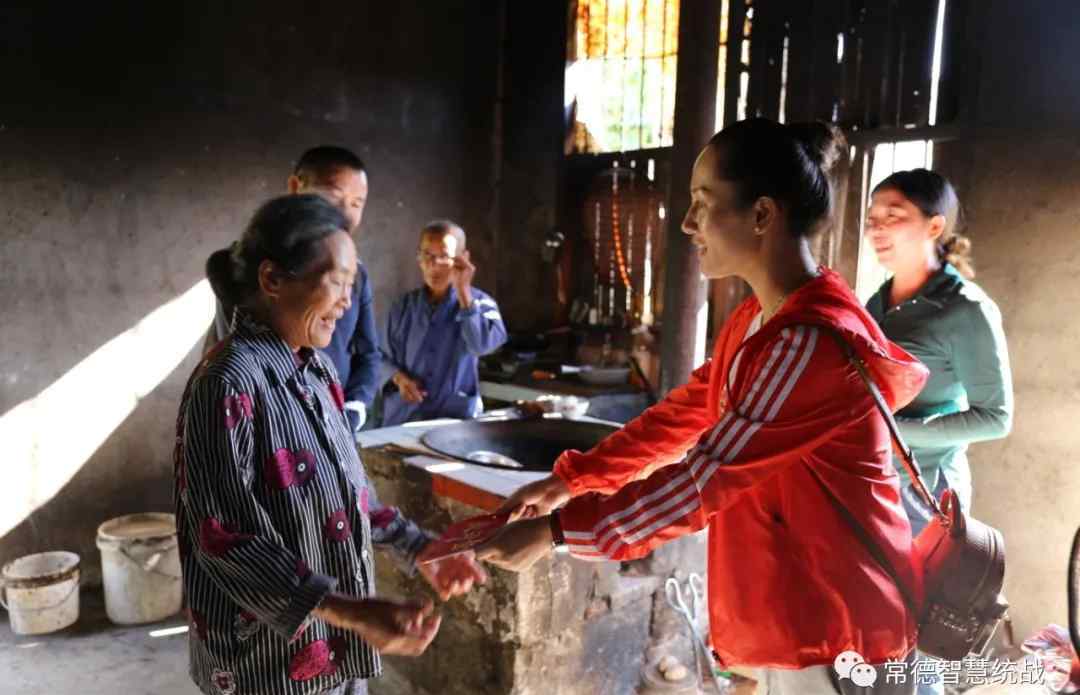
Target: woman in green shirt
x=932 y=309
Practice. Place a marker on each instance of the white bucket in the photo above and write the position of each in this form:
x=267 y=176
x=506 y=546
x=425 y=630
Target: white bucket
x=140 y=567
x=41 y=592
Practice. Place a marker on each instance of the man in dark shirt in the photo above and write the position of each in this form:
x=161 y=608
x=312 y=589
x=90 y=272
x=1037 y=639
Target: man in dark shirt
x=338 y=175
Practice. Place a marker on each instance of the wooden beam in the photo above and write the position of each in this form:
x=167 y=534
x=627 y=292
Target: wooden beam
x=766 y=58
x=801 y=52
x=695 y=120
x=916 y=23
x=733 y=76
x=961 y=51
x=826 y=22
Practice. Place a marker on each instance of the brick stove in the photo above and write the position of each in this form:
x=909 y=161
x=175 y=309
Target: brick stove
x=565 y=627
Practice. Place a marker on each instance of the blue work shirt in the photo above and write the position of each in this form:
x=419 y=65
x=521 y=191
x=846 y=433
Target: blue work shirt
x=354 y=347
x=438 y=345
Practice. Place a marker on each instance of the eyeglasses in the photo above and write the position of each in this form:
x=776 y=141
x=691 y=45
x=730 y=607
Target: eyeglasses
x=433 y=259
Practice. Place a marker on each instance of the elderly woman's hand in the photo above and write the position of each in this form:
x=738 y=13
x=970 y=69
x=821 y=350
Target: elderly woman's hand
x=518 y=545
x=454 y=575
x=404 y=629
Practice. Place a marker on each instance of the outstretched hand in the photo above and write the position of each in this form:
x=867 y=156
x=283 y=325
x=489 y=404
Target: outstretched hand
x=404 y=629
x=454 y=575
x=536 y=499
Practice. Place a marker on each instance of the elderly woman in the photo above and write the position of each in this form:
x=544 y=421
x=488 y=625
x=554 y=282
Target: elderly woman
x=275 y=515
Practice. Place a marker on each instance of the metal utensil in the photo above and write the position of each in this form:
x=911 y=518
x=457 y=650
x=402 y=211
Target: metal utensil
x=673 y=592
x=484 y=458
x=493 y=458
x=402 y=450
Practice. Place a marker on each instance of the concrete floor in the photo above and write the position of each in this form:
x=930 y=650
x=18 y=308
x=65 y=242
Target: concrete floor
x=95 y=657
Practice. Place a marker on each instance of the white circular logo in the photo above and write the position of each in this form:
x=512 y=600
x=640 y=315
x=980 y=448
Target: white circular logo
x=845 y=662
x=863 y=675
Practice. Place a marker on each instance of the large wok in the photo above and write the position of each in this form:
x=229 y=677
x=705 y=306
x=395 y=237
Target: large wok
x=534 y=443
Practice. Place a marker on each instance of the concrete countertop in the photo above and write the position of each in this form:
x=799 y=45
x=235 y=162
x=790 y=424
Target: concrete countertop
x=479 y=486
x=565 y=385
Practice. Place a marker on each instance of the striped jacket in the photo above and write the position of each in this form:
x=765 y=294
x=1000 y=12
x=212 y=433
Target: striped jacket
x=744 y=450
x=273 y=512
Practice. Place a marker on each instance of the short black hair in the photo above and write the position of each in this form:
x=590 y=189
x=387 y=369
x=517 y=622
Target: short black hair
x=322 y=161
x=441 y=228
x=288 y=231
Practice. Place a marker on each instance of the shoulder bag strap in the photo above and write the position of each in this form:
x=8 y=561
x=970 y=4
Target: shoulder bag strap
x=909 y=462
x=905 y=451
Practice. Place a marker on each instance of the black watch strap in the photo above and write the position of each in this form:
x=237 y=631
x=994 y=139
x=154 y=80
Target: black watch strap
x=558 y=540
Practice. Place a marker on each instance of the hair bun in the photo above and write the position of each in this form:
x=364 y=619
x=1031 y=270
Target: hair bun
x=824 y=144
x=220 y=271
x=957 y=251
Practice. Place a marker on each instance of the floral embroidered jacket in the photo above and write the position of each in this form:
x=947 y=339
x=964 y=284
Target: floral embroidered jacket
x=274 y=511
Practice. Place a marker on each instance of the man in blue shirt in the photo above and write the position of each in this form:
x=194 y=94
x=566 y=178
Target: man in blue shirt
x=434 y=336
x=338 y=175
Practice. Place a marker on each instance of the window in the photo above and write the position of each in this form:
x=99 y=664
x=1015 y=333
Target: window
x=890 y=157
x=721 y=67
x=620 y=75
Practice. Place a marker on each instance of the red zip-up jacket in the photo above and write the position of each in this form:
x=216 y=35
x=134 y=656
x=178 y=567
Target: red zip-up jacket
x=743 y=449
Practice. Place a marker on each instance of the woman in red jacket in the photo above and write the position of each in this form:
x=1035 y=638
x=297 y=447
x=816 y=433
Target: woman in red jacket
x=762 y=441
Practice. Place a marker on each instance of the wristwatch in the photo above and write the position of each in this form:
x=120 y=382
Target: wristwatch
x=558 y=540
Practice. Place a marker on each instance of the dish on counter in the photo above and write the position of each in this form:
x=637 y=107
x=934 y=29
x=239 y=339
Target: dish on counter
x=604 y=376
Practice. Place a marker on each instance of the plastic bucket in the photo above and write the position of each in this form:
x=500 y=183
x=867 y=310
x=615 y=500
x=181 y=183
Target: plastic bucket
x=41 y=592
x=140 y=568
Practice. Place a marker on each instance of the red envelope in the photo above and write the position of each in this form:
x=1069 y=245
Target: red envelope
x=463 y=536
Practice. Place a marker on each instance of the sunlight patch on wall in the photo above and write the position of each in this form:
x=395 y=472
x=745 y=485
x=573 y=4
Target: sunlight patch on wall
x=48 y=438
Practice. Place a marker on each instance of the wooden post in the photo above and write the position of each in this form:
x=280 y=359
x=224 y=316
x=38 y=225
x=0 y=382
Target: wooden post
x=695 y=121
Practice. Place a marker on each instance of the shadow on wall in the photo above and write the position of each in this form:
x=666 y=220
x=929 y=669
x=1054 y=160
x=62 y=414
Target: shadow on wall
x=102 y=490
x=118 y=178
x=55 y=433
x=116 y=403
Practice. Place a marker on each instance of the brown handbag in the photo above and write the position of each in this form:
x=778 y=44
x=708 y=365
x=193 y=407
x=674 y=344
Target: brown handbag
x=963 y=559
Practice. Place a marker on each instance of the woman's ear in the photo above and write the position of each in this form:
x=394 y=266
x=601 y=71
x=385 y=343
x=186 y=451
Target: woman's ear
x=270 y=280
x=766 y=213
x=937 y=227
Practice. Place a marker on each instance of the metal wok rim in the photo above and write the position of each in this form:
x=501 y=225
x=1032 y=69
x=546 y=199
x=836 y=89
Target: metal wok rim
x=426 y=438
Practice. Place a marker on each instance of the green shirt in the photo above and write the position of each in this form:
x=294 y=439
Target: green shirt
x=953 y=328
